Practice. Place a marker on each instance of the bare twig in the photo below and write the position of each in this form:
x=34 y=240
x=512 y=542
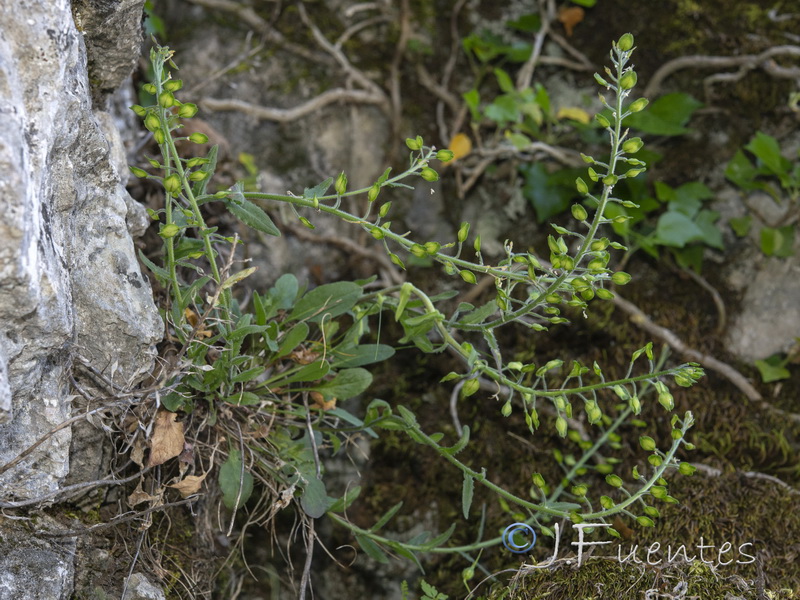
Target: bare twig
x=714 y=472
x=745 y=63
x=641 y=320
x=525 y=75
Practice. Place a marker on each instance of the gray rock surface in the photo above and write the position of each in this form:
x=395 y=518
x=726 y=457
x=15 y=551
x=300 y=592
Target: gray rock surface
x=70 y=284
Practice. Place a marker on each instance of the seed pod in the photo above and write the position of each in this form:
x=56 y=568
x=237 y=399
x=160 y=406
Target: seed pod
x=137 y=172
x=470 y=387
x=414 y=144
x=628 y=80
x=373 y=192
x=396 y=260
x=610 y=179
x=647 y=443
x=600 y=118
x=463 y=232
x=187 y=111
x=606 y=502
x=506 y=410
x=578 y=211
x=429 y=174
x=172 y=183
x=666 y=400
x=432 y=247
x=445 y=155
x=561 y=426
x=341 y=184
x=620 y=278
x=633 y=145
x=468 y=276
x=614 y=480
x=418 y=251
x=173 y=85
x=477 y=244
x=140 y=111
x=645 y=521
x=582 y=188
x=377 y=233
x=198 y=138
x=601 y=81
x=638 y=105
x=307 y=223
x=199 y=175
x=625 y=43
x=151 y=122
x=166 y=100
x=169 y=231
x=687 y=469
x=384 y=209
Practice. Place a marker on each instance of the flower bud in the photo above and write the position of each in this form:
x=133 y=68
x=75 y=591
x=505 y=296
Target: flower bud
x=137 y=172
x=307 y=223
x=625 y=43
x=477 y=244
x=600 y=118
x=385 y=209
x=140 y=111
x=614 y=480
x=396 y=260
x=666 y=400
x=645 y=521
x=600 y=80
x=561 y=426
x=173 y=85
x=506 y=410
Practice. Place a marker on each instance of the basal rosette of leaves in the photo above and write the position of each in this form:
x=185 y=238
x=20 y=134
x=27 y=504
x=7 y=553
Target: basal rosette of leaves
x=270 y=376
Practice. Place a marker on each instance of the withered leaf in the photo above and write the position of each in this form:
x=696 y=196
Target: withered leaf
x=139 y=495
x=167 y=439
x=570 y=17
x=137 y=452
x=189 y=485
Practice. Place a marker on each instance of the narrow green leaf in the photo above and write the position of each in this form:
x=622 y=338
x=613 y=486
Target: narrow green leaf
x=466 y=494
x=387 y=516
x=365 y=354
x=199 y=187
x=248 y=213
x=346 y=500
x=371 y=549
x=326 y=301
x=296 y=335
x=318 y=190
x=237 y=277
x=347 y=384
x=162 y=275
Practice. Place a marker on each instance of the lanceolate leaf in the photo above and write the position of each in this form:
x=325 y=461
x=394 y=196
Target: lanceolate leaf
x=466 y=494
x=326 y=301
x=371 y=549
x=346 y=384
x=249 y=213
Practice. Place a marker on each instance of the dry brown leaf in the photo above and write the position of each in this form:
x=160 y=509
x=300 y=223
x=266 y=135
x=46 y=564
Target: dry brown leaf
x=167 y=439
x=320 y=402
x=189 y=485
x=304 y=356
x=570 y=17
x=139 y=495
x=194 y=320
x=137 y=452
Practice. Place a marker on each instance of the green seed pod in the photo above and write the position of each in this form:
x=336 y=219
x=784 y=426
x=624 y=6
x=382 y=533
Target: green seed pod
x=384 y=209
x=151 y=122
x=149 y=88
x=429 y=174
x=625 y=43
x=620 y=278
x=655 y=460
x=463 y=232
x=606 y=502
x=614 y=480
x=140 y=111
x=628 y=80
x=561 y=426
x=633 y=173
x=432 y=247
x=173 y=85
x=659 y=491
x=645 y=521
x=538 y=480
x=169 y=231
x=593 y=413
x=159 y=136
x=341 y=184
x=137 y=172
x=414 y=144
x=633 y=145
x=601 y=81
x=610 y=179
x=603 y=294
x=450 y=269
x=187 y=111
x=604 y=122
x=593 y=174
x=635 y=404
x=578 y=212
x=581 y=186
x=687 y=469
x=666 y=400
x=445 y=155
x=467 y=574
x=477 y=244
x=647 y=443
x=307 y=223
x=506 y=410
x=470 y=387
x=195 y=162
x=579 y=490
x=172 y=183
x=199 y=175
x=638 y=105
x=396 y=260
x=198 y=138
x=468 y=276
x=377 y=233
x=166 y=99
x=417 y=250
x=373 y=192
